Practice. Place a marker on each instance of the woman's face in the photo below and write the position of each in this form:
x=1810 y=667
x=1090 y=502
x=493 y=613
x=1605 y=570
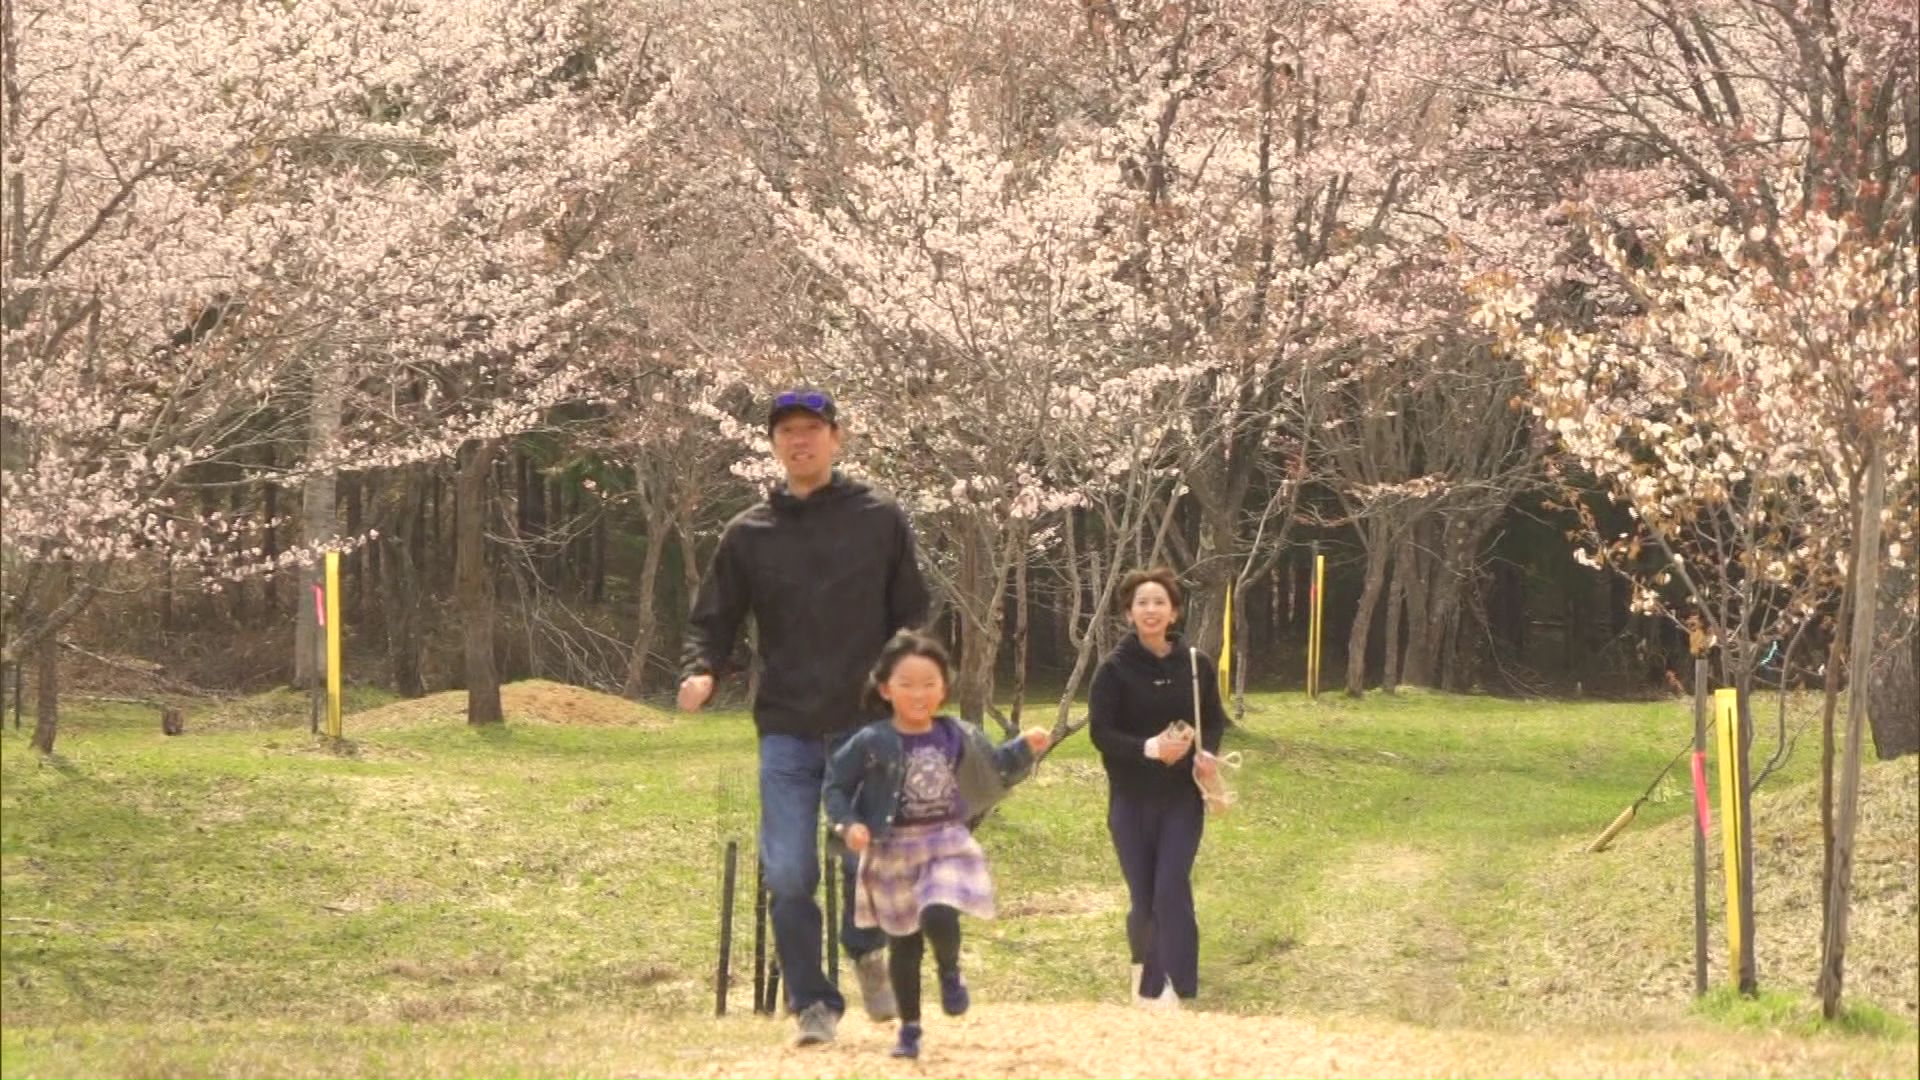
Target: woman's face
x=1152 y=612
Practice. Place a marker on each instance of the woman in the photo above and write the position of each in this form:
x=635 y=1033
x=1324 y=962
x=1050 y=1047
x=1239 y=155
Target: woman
x=1154 y=809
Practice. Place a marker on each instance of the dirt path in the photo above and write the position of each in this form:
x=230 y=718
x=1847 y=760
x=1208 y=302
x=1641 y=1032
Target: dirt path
x=1115 y=1041
x=1387 y=950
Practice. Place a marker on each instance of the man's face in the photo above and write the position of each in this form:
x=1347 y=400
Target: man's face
x=806 y=446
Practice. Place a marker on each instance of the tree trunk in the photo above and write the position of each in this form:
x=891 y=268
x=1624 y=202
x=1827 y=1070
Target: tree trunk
x=987 y=551
x=318 y=520
x=523 y=512
x=474 y=582
x=270 y=541
x=1443 y=603
x=1893 y=686
x=433 y=561
x=1836 y=652
x=1377 y=548
x=979 y=630
x=46 y=701
x=27 y=637
x=597 y=564
x=1418 y=571
x=166 y=600
x=1747 y=963
x=399 y=580
x=1101 y=626
x=1867 y=557
x=1458 y=650
x=1396 y=608
x=355 y=570
x=553 y=520
x=689 y=573
x=1079 y=638
x=1019 y=636
x=644 y=618
x=237 y=591
x=1510 y=608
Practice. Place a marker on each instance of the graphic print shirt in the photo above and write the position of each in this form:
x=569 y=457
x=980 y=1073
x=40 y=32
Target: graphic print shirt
x=930 y=794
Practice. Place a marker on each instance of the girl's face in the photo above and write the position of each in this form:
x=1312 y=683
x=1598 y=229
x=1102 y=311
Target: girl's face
x=1152 y=612
x=915 y=688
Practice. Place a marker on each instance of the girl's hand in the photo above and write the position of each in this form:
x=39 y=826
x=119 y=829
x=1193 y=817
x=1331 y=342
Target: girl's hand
x=1206 y=766
x=857 y=838
x=1038 y=739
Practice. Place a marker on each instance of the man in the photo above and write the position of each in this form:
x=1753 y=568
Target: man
x=826 y=565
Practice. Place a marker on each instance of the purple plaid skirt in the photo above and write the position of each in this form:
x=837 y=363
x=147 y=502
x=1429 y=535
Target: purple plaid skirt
x=916 y=866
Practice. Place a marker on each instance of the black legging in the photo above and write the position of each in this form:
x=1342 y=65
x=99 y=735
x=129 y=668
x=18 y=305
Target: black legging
x=1157 y=836
x=939 y=924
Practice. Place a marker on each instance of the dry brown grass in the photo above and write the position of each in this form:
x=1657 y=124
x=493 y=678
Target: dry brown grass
x=1634 y=955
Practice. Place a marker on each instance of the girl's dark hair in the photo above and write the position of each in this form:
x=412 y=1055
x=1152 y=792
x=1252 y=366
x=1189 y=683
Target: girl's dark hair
x=902 y=645
x=1158 y=575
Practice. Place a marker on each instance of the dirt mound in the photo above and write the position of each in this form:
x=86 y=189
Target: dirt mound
x=533 y=701
x=1620 y=937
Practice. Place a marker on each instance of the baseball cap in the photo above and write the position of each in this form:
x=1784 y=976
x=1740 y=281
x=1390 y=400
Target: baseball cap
x=817 y=402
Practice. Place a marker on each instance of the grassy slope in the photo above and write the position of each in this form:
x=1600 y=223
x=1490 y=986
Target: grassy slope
x=1405 y=859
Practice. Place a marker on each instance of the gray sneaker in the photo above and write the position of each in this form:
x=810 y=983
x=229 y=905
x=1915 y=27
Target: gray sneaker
x=876 y=987
x=817 y=1024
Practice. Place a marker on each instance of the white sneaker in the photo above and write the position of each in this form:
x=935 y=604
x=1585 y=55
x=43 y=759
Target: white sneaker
x=1167 y=1001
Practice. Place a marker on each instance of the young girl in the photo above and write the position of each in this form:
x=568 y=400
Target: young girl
x=901 y=792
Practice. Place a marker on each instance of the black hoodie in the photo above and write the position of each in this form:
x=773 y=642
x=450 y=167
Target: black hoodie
x=1135 y=695
x=828 y=579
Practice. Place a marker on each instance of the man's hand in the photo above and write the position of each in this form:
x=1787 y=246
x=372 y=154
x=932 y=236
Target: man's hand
x=694 y=692
x=1037 y=739
x=857 y=837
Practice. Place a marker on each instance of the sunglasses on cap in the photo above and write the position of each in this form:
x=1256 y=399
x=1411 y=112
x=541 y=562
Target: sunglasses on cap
x=803 y=399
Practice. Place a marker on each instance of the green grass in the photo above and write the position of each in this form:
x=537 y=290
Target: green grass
x=449 y=879
x=1781 y=1011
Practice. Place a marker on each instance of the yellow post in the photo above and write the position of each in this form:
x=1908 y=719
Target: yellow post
x=333 y=644
x=1226 y=649
x=1727 y=725
x=1315 y=629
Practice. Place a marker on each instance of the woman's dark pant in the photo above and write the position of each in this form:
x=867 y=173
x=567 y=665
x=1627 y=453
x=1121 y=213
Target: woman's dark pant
x=1157 y=837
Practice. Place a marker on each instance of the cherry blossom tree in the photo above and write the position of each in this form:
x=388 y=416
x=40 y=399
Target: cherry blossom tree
x=1736 y=411
x=986 y=333
x=359 y=218
x=1285 y=158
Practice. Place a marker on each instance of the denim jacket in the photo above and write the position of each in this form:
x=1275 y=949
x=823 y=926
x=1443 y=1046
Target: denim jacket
x=866 y=773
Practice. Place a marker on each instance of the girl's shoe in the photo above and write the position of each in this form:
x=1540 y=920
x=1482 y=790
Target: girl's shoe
x=954 y=998
x=909 y=1044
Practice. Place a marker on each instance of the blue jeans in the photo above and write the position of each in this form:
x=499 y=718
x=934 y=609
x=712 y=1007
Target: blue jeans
x=793 y=770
